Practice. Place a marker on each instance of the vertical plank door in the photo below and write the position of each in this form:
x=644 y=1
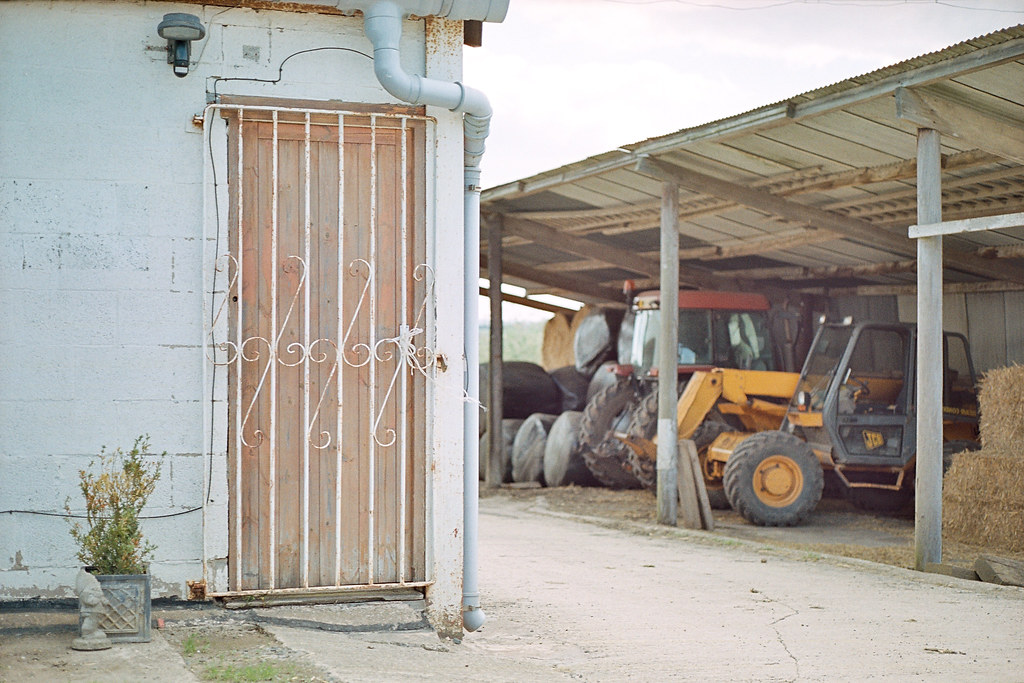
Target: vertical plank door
x=331 y=300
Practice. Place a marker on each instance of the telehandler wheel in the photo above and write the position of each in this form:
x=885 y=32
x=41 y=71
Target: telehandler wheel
x=705 y=434
x=773 y=479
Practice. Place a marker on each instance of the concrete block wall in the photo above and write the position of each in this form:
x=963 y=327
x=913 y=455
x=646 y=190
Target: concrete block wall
x=102 y=255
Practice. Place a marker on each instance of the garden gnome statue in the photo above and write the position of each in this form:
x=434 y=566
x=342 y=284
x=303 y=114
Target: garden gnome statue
x=90 y=605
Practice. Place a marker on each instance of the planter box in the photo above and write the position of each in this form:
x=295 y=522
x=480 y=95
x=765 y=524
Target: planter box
x=127 y=616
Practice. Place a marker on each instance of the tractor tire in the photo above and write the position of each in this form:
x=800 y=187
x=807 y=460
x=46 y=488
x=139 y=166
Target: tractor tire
x=643 y=423
x=705 y=434
x=563 y=458
x=773 y=479
x=528 y=448
x=607 y=458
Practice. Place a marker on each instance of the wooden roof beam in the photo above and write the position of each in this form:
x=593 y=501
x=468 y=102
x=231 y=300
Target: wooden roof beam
x=805 y=273
x=581 y=246
x=848 y=228
x=992 y=132
x=583 y=290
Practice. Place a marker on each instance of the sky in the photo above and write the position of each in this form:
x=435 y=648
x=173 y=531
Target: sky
x=570 y=79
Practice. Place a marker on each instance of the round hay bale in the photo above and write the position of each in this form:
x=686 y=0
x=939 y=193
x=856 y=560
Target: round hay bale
x=604 y=377
x=509 y=427
x=577 y=319
x=528 y=448
x=527 y=389
x=573 y=386
x=595 y=339
x=563 y=459
x=624 y=345
x=556 y=349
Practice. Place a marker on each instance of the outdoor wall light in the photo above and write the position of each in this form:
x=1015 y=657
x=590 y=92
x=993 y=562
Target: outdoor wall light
x=180 y=30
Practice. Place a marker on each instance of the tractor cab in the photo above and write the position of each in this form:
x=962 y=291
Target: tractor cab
x=854 y=402
x=716 y=329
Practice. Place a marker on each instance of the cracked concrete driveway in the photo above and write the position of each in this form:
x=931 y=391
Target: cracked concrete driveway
x=592 y=599
x=652 y=603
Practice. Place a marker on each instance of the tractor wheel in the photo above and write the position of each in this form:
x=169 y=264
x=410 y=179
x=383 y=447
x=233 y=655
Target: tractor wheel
x=704 y=436
x=773 y=479
x=643 y=423
x=608 y=458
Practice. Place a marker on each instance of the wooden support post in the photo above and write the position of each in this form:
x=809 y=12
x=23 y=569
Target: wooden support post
x=693 y=497
x=668 y=363
x=928 y=489
x=495 y=472
x=689 y=506
x=706 y=517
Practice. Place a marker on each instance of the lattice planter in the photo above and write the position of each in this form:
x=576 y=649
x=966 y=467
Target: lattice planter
x=127 y=614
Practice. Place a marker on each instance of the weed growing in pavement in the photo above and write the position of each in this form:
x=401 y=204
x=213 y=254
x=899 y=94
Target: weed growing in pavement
x=194 y=644
x=261 y=671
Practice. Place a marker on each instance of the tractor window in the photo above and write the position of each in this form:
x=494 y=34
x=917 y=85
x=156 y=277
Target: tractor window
x=820 y=366
x=695 y=337
x=873 y=381
x=742 y=340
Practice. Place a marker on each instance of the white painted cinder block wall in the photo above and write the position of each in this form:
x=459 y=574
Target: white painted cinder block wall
x=101 y=278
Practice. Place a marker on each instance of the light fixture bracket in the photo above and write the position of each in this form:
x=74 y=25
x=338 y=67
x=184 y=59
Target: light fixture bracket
x=180 y=29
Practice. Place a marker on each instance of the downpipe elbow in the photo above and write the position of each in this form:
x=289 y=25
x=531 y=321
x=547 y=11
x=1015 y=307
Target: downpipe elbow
x=473 y=617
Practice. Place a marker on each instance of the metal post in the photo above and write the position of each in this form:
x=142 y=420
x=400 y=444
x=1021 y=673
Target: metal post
x=928 y=500
x=668 y=340
x=496 y=443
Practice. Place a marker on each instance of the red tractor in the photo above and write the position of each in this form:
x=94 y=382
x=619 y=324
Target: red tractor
x=716 y=329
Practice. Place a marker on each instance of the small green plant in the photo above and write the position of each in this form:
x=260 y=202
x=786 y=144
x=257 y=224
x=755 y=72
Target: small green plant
x=110 y=539
x=194 y=644
x=261 y=671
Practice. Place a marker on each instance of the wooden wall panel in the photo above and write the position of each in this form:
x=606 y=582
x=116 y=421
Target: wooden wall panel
x=986 y=324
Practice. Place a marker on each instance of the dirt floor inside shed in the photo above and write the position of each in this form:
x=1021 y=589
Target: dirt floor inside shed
x=836 y=527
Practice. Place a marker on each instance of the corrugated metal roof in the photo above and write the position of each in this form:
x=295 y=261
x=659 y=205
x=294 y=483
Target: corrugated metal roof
x=838 y=158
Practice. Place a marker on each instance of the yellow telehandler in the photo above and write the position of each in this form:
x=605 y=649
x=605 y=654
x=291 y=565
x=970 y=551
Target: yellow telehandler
x=764 y=438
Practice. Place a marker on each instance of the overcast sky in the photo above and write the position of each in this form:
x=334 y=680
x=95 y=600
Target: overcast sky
x=572 y=78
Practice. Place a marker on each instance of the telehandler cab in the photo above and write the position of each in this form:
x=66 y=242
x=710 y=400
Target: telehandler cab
x=764 y=438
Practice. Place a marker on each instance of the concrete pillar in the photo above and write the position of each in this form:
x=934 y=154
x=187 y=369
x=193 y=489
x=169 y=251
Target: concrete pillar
x=668 y=341
x=928 y=494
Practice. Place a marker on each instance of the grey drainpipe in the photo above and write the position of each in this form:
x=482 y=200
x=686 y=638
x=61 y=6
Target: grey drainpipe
x=383 y=26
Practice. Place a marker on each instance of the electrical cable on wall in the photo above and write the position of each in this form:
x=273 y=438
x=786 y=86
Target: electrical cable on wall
x=280 y=68
x=71 y=516
x=216 y=211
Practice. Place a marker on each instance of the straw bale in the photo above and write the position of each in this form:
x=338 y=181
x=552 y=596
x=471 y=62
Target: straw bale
x=983 y=500
x=577 y=319
x=556 y=349
x=1001 y=402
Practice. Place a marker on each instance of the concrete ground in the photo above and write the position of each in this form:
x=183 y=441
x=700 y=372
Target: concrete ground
x=570 y=599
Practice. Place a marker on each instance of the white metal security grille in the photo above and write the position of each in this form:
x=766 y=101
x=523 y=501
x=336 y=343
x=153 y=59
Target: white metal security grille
x=323 y=316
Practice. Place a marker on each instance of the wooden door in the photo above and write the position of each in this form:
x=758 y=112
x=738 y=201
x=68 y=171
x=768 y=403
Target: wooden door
x=331 y=301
